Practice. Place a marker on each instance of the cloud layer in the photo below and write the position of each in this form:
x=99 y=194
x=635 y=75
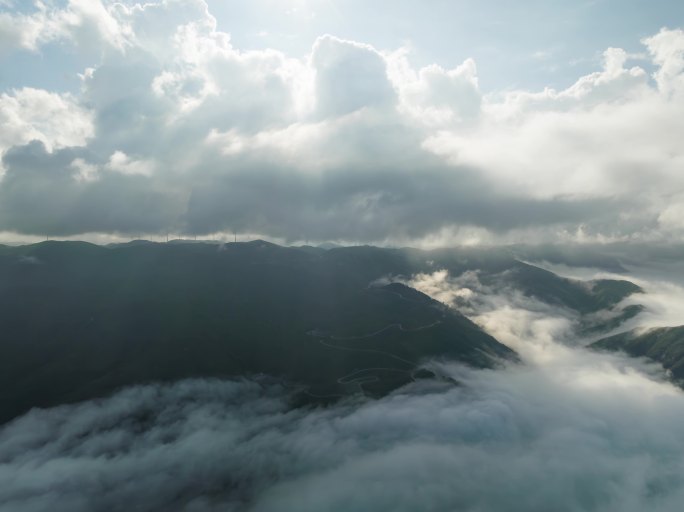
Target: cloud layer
x=571 y=429
x=182 y=131
x=583 y=435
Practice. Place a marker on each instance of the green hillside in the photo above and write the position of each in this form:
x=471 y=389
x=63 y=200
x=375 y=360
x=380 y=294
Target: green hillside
x=664 y=345
x=80 y=320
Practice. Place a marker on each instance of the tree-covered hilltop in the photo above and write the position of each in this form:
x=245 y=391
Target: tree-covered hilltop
x=80 y=320
x=664 y=345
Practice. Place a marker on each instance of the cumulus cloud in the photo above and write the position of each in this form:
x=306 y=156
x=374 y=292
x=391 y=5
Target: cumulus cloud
x=87 y=24
x=19 y=31
x=121 y=162
x=608 y=134
x=349 y=76
x=349 y=142
x=57 y=120
x=434 y=96
x=667 y=50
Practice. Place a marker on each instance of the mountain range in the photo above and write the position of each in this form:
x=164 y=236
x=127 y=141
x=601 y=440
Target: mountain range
x=80 y=321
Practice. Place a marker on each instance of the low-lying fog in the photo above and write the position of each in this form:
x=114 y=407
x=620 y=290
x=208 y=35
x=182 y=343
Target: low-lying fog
x=568 y=430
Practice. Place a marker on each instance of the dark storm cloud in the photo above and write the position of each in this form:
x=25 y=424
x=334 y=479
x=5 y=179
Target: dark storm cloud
x=369 y=204
x=47 y=193
x=42 y=193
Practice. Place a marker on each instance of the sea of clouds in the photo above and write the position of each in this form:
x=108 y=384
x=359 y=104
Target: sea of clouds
x=567 y=430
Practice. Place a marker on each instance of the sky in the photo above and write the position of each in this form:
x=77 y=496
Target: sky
x=422 y=123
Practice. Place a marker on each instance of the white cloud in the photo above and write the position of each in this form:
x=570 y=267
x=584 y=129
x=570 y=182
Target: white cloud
x=434 y=96
x=120 y=162
x=33 y=114
x=349 y=76
x=19 y=31
x=671 y=218
x=349 y=126
x=581 y=430
x=85 y=23
x=611 y=134
x=439 y=286
x=553 y=430
x=667 y=50
x=84 y=172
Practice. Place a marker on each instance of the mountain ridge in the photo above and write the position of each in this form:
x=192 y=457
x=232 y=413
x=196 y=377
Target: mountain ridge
x=664 y=345
x=81 y=320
